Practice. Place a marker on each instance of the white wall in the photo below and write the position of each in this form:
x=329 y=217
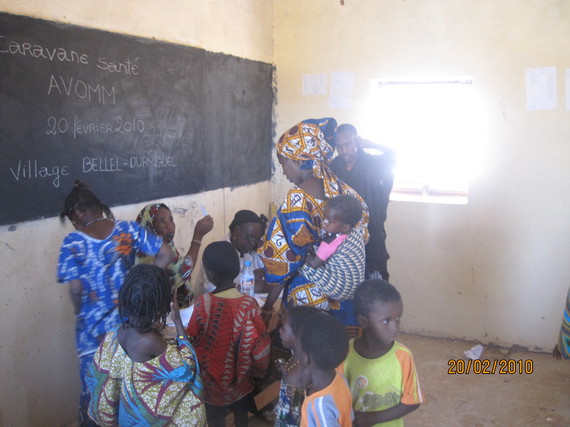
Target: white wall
x=40 y=382
x=494 y=270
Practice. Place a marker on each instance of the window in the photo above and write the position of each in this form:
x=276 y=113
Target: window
x=433 y=127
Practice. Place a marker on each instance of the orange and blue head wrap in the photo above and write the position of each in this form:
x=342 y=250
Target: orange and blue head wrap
x=306 y=143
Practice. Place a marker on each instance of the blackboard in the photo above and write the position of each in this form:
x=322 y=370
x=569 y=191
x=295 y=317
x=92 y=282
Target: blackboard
x=136 y=119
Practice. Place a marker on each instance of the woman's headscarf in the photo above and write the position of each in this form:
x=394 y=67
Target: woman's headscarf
x=180 y=268
x=328 y=128
x=146 y=216
x=305 y=142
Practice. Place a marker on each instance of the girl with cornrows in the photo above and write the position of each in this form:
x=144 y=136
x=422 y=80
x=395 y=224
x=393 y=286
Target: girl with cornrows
x=94 y=260
x=139 y=376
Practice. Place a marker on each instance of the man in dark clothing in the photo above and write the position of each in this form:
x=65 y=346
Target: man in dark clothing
x=372 y=177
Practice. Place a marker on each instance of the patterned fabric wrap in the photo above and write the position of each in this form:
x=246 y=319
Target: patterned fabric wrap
x=165 y=390
x=296 y=225
x=288 y=408
x=290 y=234
x=305 y=141
x=232 y=344
x=146 y=215
x=564 y=337
x=327 y=126
x=101 y=265
x=85 y=363
x=180 y=269
x=293 y=230
x=339 y=277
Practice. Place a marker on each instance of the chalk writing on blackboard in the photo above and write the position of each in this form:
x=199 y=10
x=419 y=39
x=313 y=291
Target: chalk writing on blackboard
x=136 y=119
x=69 y=86
x=30 y=169
x=119 y=125
x=18 y=47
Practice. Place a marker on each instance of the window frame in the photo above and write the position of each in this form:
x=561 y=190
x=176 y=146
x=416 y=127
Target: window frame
x=427 y=190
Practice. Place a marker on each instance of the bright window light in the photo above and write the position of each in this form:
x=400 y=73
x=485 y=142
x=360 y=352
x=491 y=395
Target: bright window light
x=433 y=125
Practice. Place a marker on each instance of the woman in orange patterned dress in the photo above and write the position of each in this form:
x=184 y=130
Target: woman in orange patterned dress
x=304 y=155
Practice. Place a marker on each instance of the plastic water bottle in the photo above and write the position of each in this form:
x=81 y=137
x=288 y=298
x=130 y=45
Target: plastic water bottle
x=247 y=283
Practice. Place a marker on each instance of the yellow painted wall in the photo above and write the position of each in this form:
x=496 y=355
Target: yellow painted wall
x=39 y=383
x=494 y=270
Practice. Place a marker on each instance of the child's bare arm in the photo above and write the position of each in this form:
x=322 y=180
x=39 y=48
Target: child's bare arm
x=75 y=288
x=313 y=260
x=366 y=419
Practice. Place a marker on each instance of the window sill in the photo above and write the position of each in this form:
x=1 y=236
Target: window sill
x=447 y=199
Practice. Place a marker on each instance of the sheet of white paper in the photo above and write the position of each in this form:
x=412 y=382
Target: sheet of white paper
x=314 y=84
x=260 y=298
x=567 y=88
x=185 y=315
x=541 y=88
x=342 y=84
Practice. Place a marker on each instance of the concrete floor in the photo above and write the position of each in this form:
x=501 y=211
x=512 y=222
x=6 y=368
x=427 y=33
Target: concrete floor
x=475 y=400
x=538 y=399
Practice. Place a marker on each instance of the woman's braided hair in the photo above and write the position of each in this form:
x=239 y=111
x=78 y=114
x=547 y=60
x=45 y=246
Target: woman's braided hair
x=82 y=199
x=144 y=298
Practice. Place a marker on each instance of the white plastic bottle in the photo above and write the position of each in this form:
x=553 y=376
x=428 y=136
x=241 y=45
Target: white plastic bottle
x=247 y=283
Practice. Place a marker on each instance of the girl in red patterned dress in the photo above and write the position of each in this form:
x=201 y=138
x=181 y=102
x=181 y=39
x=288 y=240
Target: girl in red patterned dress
x=230 y=338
